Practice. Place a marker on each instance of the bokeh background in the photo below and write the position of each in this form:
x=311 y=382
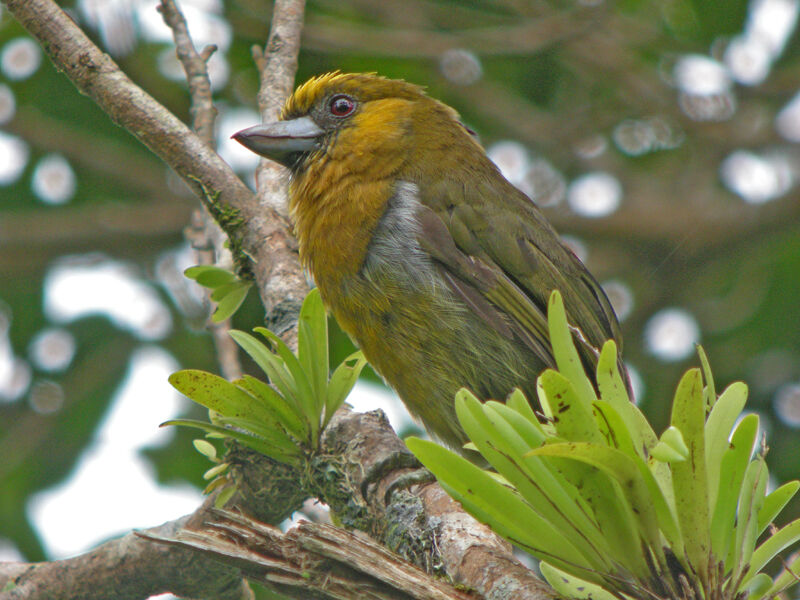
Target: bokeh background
x=661 y=138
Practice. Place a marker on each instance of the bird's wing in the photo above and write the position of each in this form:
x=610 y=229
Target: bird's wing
x=484 y=287
x=504 y=259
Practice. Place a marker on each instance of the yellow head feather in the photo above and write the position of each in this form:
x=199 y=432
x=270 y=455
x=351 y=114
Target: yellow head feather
x=364 y=86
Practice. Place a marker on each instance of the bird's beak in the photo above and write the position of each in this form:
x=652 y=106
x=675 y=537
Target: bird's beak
x=281 y=141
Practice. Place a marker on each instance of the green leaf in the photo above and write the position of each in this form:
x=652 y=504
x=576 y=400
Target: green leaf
x=305 y=397
x=215 y=470
x=567 y=358
x=718 y=430
x=775 y=502
x=543 y=488
x=225 y=495
x=624 y=471
x=312 y=345
x=758 y=586
x=733 y=466
x=572 y=418
x=235 y=406
x=608 y=508
x=270 y=432
x=215 y=484
x=662 y=502
x=210 y=276
x=671 y=447
x=251 y=441
x=788 y=578
x=614 y=428
x=664 y=507
x=341 y=383
x=666 y=454
x=709 y=392
x=612 y=390
x=532 y=436
x=273 y=366
x=772 y=546
x=231 y=301
x=500 y=507
x=218 y=394
x=517 y=401
x=205 y=448
x=572 y=587
x=283 y=411
x=227 y=288
x=689 y=477
x=750 y=502
x=609 y=381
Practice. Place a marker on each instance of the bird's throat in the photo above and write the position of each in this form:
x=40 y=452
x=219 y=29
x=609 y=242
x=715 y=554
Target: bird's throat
x=334 y=218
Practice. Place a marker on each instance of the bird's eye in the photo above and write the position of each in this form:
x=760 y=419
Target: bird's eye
x=341 y=106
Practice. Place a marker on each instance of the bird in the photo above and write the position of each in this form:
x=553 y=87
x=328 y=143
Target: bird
x=435 y=265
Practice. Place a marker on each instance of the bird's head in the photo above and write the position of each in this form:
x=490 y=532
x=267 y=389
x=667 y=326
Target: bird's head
x=354 y=117
x=349 y=139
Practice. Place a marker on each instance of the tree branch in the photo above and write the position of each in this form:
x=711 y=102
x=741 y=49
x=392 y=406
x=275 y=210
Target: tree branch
x=312 y=560
x=422 y=522
x=129 y=568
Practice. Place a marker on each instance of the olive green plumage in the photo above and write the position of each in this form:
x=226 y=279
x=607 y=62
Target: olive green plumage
x=435 y=265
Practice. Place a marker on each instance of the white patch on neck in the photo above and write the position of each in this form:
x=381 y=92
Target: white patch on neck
x=394 y=243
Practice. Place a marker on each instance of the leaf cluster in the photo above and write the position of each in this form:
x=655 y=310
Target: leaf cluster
x=611 y=509
x=284 y=416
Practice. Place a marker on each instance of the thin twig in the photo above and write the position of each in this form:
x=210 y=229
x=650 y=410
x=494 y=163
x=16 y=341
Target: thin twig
x=202 y=109
x=204 y=113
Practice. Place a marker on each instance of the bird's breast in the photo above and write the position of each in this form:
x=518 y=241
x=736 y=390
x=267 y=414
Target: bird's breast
x=394 y=291
x=393 y=270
